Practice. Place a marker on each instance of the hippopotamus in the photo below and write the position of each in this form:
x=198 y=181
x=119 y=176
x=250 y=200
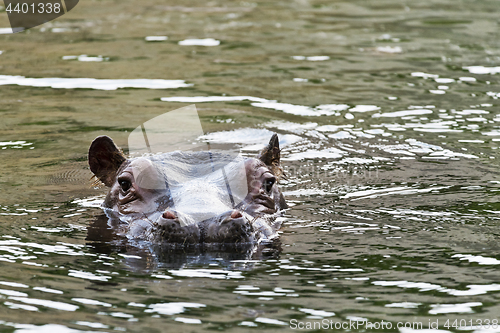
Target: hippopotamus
x=191 y=197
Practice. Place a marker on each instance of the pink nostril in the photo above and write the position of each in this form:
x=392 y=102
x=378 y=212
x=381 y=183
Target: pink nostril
x=236 y=214
x=169 y=215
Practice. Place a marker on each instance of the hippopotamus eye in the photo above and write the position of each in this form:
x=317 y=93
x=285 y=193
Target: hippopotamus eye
x=124 y=184
x=268 y=184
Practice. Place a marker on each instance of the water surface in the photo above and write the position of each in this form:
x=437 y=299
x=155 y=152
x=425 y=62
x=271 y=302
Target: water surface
x=388 y=118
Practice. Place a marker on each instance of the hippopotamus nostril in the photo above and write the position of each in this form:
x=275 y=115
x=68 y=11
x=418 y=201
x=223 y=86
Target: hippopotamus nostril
x=236 y=214
x=169 y=215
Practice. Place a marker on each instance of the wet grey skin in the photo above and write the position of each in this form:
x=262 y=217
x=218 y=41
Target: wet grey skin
x=150 y=214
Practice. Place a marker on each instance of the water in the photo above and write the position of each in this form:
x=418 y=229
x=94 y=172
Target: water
x=388 y=117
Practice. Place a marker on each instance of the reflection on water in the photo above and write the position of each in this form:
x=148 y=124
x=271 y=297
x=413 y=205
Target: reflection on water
x=86 y=58
x=200 y=42
x=387 y=115
x=156 y=38
x=90 y=83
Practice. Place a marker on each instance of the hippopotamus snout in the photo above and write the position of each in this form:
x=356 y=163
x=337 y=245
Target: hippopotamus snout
x=230 y=227
x=168 y=228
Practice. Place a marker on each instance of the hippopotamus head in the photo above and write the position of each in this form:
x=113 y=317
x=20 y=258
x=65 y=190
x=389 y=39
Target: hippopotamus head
x=191 y=197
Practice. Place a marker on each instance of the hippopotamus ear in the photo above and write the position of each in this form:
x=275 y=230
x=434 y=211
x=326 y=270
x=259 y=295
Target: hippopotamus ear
x=105 y=158
x=270 y=155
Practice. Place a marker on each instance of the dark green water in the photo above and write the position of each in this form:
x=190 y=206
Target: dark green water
x=389 y=119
